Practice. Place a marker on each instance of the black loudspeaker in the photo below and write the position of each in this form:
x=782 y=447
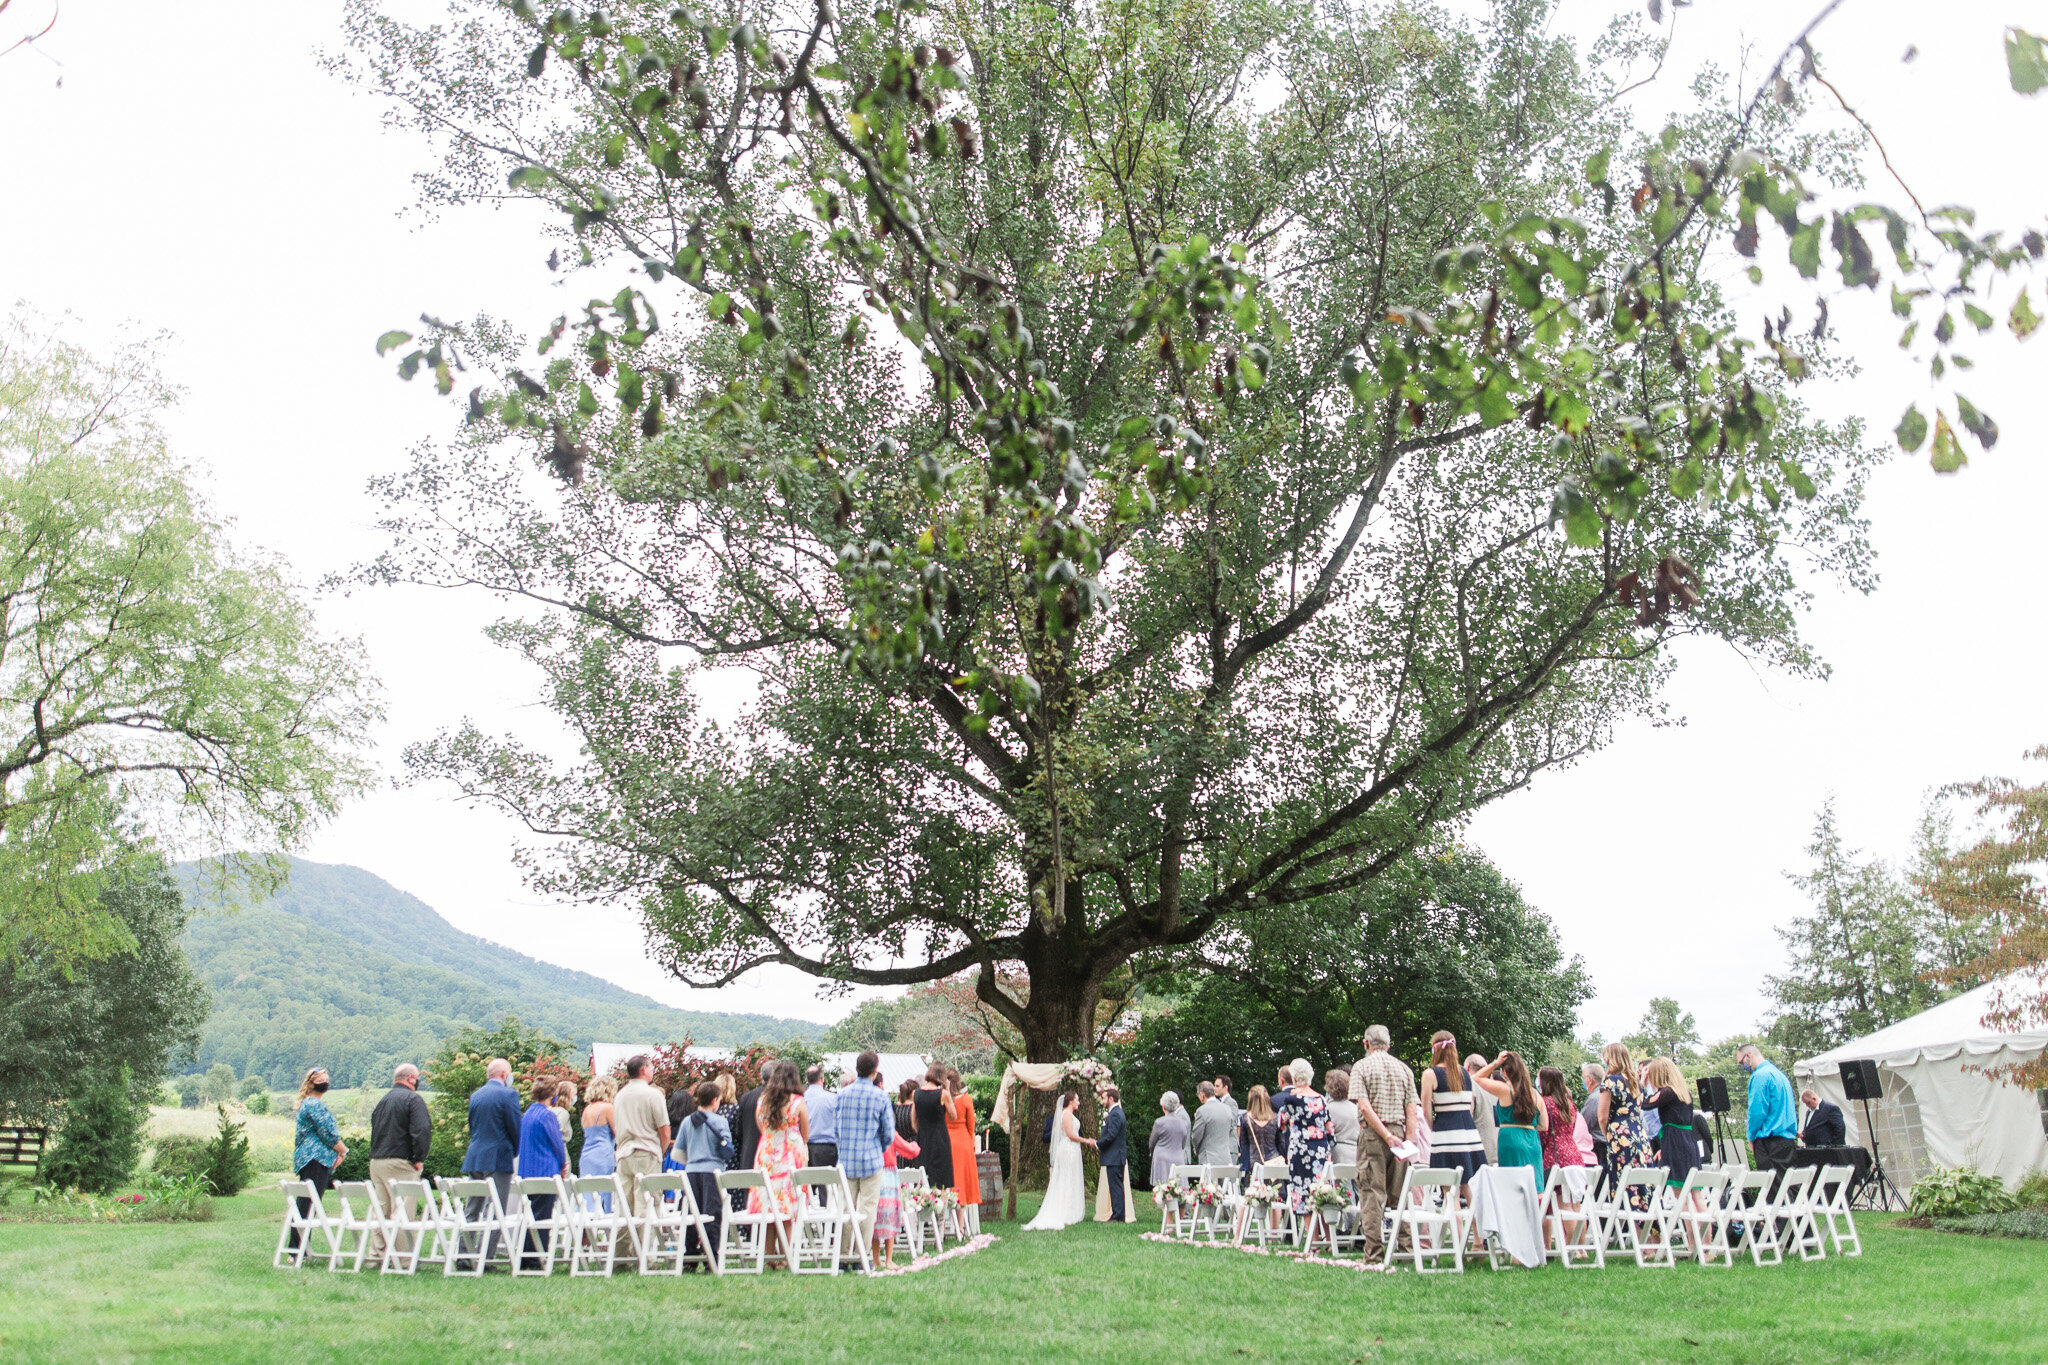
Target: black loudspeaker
x=1713 y=1095
x=1860 y=1080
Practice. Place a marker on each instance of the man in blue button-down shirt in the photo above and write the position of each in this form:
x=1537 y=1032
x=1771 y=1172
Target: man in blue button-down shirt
x=867 y=1128
x=823 y=1107
x=1773 y=1125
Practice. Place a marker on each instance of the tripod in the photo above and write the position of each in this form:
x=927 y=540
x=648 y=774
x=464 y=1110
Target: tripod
x=1878 y=1189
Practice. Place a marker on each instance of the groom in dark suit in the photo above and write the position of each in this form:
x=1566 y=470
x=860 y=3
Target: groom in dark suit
x=1111 y=1149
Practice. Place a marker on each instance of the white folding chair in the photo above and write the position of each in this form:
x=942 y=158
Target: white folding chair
x=667 y=1222
x=408 y=1225
x=594 y=1228
x=548 y=1234
x=822 y=1223
x=1795 y=1202
x=1321 y=1226
x=919 y=1221
x=1703 y=1215
x=1428 y=1203
x=1604 y=1204
x=1830 y=1200
x=1219 y=1219
x=746 y=1232
x=472 y=1239
x=1758 y=1213
x=1560 y=1222
x=300 y=1223
x=1177 y=1218
x=439 y=1218
x=357 y=1217
x=1646 y=1184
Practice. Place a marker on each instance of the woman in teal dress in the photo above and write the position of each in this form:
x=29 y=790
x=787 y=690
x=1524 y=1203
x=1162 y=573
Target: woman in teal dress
x=1517 y=1110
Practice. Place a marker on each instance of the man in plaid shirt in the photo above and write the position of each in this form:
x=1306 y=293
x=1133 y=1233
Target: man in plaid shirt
x=867 y=1128
x=1390 y=1105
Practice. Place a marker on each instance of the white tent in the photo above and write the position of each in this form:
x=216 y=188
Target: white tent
x=896 y=1067
x=1936 y=1111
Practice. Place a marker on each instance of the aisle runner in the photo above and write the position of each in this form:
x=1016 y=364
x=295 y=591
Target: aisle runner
x=1362 y=1266
x=981 y=1242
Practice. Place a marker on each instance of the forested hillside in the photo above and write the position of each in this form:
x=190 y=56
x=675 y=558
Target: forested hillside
x=343 y=970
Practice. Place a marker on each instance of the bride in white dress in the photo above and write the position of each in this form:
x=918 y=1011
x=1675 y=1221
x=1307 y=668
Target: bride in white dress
x=1066 y=1193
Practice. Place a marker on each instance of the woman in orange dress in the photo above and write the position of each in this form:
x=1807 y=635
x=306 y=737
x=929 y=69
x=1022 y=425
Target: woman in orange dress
x=960 y=1132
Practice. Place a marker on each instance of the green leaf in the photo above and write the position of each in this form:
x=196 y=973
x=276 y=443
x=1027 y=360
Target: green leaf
x=392 y=340
x=829 y=71
x=527 y=177
x=1596 y=166
x=1976 y=423
x=2023 y=320
x=1805 y=248
x=586 y=401
x=1979 y=319
x=1947 y=456
x=537 y=60
x=1912 y=429
x=2026 y=61
x=615 y=150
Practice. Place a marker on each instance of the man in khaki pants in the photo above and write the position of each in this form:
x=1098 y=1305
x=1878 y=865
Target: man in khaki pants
x=639 y=1127
x=401 y=1133
x=1389 y=1109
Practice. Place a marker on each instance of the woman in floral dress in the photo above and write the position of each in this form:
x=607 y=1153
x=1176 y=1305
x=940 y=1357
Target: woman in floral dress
x=1621 y=1119
x=1306 y=1132
x=785 y=1144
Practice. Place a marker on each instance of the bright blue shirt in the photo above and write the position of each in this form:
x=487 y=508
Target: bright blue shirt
x=541 y=1150
x=823 y=1107
x=867 y=1127
x=1770 y=1104
x=315 y=1134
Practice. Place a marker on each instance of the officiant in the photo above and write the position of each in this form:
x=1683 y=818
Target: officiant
x=1390 y=1108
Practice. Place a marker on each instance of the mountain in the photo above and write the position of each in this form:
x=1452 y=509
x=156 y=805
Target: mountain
x=343 y=970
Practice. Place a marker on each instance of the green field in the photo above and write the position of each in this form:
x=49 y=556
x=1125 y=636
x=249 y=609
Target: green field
x=206 y=1293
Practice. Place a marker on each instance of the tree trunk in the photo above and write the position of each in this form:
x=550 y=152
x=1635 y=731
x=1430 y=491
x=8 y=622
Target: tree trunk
x=1059 y=1019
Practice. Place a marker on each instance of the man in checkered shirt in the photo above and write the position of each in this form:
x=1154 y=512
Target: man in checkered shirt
x=1388 y=1108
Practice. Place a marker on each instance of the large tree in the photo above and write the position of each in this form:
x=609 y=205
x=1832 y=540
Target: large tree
x=1146 y=467
x=152 y=675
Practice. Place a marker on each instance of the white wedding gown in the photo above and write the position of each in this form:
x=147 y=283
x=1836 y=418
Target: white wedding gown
x=1066 y=1194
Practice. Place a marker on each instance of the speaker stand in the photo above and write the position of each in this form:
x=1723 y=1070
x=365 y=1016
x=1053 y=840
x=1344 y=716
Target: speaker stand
x=1878 y=1190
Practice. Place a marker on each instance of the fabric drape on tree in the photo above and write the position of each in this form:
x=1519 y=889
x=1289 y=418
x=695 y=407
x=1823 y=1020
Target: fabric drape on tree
x=1033 y=1075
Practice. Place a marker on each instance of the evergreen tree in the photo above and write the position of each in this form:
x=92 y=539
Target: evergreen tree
x=100 y=1143
x=227 y=1167
x=1665 y=1031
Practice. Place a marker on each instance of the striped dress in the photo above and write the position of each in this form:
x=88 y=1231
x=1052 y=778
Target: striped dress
x=1453 y=1136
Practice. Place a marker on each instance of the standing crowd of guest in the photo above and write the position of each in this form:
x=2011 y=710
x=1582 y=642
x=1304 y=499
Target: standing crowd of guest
x=788 y=1121
x=1461 y=1115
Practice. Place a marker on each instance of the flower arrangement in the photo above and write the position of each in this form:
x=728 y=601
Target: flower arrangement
x=1328 y=1196
x=930 y=1200
x=1170 y=1198
x=1260 y=1195
x=1207 y=1196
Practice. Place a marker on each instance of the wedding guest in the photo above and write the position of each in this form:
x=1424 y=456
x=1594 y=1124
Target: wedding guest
x=1454 y=1143
x=905 y=1117
x=1305 y=1126
x=1620 y=1116
x=1773 y=1128
x=600 y=1153
x=1482 y=1115
x=867 y=1129
x=1391 y=1108
x=317 y=1147
x=1258 y=1131
x=565 y=1097
x=494 y=1122
x=1518 y=1115
x=960 y=1135
x=401 y=1134
x=747 y=1136
x=1560 y=1136
x=823 y=1107
x=889 y=1206
x=1212 y=1133
x=703 y=1147
x=640 y=1131
x=541 y=1153
x=1824 y=1125
x=1590 y=1076
x=1653 y=1124
x=1171 y=1133
x=784 y=1144
x=1671 y=1099
x=928 y=1119
x=1222 y=1084
x=1344 y=1120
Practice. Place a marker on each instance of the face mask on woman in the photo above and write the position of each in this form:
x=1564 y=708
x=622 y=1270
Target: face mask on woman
x=320 y=1087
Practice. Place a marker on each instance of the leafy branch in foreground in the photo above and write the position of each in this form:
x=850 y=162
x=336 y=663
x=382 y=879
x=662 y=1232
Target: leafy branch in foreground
x=1125 y=451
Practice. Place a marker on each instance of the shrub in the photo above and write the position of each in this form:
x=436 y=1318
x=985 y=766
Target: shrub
x=171 y=1200
x=178 y=1156
x=258 y=1103
x=188 y=1088
x=218 y=1084
x=101 y=1141
x=226 y=1169
x=356 y=1165
x=251 y=1087
x=1958 y=1193
x=2031 y=1224
x=270 y=1156
x=2033 y=1192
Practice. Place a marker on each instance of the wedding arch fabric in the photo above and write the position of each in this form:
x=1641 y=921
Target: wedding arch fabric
x=1050 y=1076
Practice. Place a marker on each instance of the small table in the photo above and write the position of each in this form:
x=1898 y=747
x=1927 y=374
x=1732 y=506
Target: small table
x=1858 y=1157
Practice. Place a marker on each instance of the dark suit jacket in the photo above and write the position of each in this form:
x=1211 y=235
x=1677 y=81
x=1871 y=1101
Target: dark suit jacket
x=1048 y=1126
x=1825 y=1128
x=1111 y=1145
x=748 y=1139
x=494 y=1116
x=400 y=1127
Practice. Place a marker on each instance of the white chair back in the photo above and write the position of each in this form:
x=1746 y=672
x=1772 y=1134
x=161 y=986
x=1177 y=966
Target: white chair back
x=295 y=1238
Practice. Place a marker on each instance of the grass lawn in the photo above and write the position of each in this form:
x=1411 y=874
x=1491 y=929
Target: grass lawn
x=205 y=1292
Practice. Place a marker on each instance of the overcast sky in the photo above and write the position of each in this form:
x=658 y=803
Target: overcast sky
x=195 y=171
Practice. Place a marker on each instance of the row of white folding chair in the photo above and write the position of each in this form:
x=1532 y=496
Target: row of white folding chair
x=1252 y=1224
x=1430 y=1210
x=1324 y=1227
x=1174 y=1220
